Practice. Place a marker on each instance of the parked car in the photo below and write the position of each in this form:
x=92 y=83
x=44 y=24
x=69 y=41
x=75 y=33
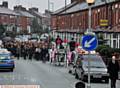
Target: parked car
x=98 y=69
x=6 y=60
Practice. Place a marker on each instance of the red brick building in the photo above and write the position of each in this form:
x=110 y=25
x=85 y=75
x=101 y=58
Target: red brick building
x=24 y=19
x=7 y=17
x=17 y=20
x=73 y=21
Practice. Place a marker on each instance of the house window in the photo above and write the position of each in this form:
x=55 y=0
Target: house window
x=115 y=35
x=113 y=7
x=119 y=43
x=114 y=44
x=98 y=10
x=72 y=15
x=12 y=16
x=116 y=6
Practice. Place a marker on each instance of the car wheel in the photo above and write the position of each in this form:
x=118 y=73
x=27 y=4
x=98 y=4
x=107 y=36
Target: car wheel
x=106 y=80
x=70 y=71
x=11 y=70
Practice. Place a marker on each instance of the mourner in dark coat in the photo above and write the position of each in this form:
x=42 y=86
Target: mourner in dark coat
x=44 y=53
x=113 y=69
x=72 y=45
x=31 y=52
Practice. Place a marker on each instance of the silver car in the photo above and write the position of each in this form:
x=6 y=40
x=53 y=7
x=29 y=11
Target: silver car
x=98 y=69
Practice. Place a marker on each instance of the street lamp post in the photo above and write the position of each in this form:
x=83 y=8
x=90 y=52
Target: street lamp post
x=90 y=2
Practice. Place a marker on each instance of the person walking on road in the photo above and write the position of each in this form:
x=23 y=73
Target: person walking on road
x=113 y=69
x=58 y=41
x=44 y=53
x=72 y=44
x=18 y=51
x=30 y=52
x=25 y=52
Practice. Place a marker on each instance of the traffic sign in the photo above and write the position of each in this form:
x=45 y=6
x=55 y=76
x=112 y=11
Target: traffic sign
x=89 y=42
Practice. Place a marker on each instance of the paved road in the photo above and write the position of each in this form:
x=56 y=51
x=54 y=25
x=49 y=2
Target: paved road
x=45 y=75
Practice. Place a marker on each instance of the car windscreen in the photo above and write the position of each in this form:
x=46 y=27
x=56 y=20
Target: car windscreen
x=2 y=57
x=95 y=61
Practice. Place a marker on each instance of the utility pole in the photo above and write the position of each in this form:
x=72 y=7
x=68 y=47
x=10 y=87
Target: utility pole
x=66 y=36
x=48 y=5
x=65 y=4
x=90 y=2
x=52 y=6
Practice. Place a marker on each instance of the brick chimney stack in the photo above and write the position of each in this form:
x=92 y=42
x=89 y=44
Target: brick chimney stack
x=19 y=7
x=33 y=9
x=5 y=4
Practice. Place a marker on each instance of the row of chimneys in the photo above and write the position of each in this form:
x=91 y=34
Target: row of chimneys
x=19 y=7
x=5 y=4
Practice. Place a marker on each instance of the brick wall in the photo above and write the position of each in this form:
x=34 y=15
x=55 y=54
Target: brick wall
x=79 y=20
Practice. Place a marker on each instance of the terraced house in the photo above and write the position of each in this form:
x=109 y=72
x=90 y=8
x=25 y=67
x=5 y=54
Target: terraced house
x=24 y=19
x=7 y=17
x=15 y=20
x=72 y=20
x=20 y=19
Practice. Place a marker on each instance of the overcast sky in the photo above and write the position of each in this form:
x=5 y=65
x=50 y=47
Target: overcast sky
x=41 y=4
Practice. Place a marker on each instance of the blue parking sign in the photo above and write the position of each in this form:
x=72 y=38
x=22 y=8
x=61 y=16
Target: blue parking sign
x=89 y=42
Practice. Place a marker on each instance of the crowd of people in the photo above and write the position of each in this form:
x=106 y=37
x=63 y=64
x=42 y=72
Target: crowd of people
x=28 y=50
x=37 y=50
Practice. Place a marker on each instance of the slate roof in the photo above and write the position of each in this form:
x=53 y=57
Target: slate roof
x=24 y=13
x=83 y=6
x=63 y=8
x=7 y=11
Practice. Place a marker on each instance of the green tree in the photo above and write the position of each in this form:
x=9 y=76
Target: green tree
x=101 y=47
x=2 y=29
x=24 y=31
x=36 y=27
x=104 y=50
x=10 y=34
x=46 y=30
x=107 y=52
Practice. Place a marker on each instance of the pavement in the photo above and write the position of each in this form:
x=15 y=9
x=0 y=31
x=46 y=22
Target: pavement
x=47 y=76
